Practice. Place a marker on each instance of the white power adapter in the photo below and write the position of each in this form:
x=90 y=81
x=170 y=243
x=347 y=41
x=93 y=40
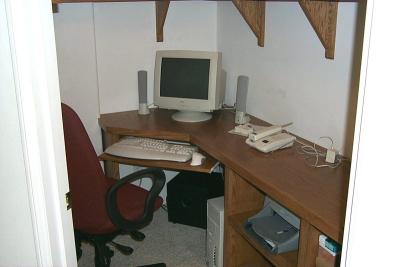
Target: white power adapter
x=330 y=155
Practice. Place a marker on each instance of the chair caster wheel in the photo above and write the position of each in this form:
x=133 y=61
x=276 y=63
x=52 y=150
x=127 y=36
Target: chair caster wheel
x=138 y=236
x=123 y=249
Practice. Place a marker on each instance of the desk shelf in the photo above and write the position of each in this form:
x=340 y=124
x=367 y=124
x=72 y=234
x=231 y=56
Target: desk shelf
x=207 y=167
x=237 y=221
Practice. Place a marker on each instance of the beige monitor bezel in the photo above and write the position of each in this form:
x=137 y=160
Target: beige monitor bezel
x=185 y=103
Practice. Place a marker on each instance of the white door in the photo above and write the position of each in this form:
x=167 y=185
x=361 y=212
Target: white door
x=35 y=226
x=371 y=230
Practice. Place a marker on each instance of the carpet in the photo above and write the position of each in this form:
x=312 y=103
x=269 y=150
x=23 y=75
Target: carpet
x=176 y=245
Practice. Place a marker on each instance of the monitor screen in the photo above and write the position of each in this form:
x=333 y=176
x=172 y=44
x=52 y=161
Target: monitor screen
x=185 y=78
x=188 y=81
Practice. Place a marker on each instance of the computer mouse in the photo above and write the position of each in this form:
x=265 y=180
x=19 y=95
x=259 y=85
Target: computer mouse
x=197 y=159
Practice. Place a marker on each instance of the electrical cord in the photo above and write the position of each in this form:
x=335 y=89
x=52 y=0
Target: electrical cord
x=221 y=168
x=152 y=105
x=225 y=106
x=313 y=154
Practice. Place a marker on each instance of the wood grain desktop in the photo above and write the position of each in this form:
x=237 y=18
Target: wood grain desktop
x=317 y=196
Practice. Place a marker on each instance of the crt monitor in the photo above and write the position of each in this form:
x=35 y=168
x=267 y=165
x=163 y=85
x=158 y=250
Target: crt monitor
x=190 y=82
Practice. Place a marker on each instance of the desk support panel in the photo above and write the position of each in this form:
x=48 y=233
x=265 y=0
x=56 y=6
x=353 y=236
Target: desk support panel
x=240 y=197
x=308 y=245
x=243 y=200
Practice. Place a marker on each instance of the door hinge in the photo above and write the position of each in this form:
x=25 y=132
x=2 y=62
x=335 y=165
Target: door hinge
x=68 y=200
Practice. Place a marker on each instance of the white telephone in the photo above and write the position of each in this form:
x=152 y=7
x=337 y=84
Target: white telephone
x=261 y=132
x=272 y=142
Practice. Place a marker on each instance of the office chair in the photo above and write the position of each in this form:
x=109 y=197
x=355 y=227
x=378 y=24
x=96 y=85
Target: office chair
x=103 y=208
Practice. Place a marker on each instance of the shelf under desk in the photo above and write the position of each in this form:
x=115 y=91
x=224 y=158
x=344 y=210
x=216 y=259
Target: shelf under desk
x=288 y=259
x=208 y=165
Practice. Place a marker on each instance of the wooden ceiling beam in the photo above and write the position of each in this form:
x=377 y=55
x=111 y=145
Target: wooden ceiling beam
x=253 y=13
x=323 y=16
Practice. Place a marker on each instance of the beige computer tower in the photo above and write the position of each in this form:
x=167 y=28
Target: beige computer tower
x=215 y=232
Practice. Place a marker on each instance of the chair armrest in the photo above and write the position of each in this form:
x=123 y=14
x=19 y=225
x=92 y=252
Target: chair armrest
x=158 y=178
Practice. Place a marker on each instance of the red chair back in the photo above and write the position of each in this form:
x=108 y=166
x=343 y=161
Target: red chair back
x=87 y=181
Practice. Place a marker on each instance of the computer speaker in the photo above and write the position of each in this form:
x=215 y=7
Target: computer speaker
x=142 y=85
x=241 y=99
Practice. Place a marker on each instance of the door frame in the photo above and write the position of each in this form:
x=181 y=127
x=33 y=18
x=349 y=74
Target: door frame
x=373 y=194
x=34 y=63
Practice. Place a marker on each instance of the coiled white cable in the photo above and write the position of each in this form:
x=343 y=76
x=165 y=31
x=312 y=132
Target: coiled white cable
x=312 y=153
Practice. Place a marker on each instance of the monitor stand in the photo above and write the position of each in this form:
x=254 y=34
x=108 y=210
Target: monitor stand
x=191 y=116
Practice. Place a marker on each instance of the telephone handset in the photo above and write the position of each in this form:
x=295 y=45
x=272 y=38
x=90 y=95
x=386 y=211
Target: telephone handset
x=272 y=142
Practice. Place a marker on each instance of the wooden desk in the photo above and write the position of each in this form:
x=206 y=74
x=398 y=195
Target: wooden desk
x=317 y=196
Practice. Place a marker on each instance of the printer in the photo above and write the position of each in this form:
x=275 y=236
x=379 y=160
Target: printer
x=275 y=227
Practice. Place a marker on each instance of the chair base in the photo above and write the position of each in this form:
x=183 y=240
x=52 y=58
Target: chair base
x=137 y=235
x=103 y=253
x=121 y=248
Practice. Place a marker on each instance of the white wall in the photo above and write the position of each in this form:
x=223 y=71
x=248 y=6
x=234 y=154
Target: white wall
x=126 y=43
x=290 y=79
x=76 y=56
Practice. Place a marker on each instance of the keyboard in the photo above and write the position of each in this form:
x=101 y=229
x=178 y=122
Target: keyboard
x=152 y=149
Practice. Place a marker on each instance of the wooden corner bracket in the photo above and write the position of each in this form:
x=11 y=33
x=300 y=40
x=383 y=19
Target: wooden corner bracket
x=161 y=14
x=253 y=13
x=322 y=15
